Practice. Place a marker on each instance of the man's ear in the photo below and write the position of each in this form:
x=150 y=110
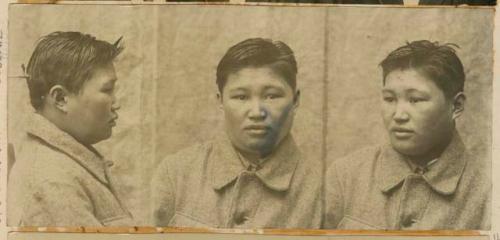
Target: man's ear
x=458 y=104
x=296 y=99
x=58 y=97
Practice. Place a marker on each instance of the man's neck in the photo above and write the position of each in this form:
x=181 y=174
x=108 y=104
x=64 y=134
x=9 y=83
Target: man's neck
x=253 y=158
x=60 y=122
x=432 y=154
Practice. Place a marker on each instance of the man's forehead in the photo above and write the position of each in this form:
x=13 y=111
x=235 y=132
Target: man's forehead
x=250 y=77
x=106 y=72
x=103 y=75
x=405 y=90
x=408 y=79
x=250 y=85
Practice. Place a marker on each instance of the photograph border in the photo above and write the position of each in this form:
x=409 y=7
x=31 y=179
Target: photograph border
x=495 y=212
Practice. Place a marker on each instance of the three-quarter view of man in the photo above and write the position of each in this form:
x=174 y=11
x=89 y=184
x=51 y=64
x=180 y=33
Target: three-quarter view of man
x=424 y=178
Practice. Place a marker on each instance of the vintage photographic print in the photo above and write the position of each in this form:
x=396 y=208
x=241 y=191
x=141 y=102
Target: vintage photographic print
x=250 y=117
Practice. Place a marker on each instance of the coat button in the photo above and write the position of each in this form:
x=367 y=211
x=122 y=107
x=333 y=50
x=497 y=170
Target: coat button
x=109 y=163
x=240 y=218
x=420 y=170
x=408 y=222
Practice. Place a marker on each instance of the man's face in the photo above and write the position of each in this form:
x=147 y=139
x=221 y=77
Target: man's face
x=259 y=107
x=416 y=113
x=92 y=111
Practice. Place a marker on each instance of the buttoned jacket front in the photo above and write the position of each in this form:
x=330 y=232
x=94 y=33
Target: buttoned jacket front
x=56 y=181
x=377 y=188
x=208 y=185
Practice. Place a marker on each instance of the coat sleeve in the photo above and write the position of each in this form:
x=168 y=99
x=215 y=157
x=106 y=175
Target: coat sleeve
x=334 y=200
x=162 y=196
x=59 y=204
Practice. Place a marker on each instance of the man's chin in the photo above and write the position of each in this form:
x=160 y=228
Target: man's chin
x=261 y=147
x=105 y=136
x=406 y=148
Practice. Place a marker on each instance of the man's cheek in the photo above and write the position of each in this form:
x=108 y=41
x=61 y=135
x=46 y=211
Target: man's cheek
x=237 y=114
x=282 y=113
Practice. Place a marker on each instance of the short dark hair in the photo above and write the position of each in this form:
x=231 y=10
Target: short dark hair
x=438 y=62
x=67 y=59
x=258 y=52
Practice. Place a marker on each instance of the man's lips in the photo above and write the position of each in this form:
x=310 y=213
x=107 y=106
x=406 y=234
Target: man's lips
x=401 y=129
x=113 y=121
x=401 y=132
x=257 y=129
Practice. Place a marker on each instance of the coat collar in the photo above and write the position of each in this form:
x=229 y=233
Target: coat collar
x=443 y=175
x=276 y=172
x=89 y=158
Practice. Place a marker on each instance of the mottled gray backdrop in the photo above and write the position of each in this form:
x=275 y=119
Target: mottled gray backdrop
x=167 y=73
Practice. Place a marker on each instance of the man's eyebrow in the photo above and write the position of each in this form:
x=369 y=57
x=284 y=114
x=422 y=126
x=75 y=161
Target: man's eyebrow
x=411 y=90
x=272 y=86
x=111 y=81
x=238 y=89
x=387 y=90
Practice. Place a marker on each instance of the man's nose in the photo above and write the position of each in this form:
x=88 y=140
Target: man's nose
x=401 y=113
x=115 y=105
x=257 y=110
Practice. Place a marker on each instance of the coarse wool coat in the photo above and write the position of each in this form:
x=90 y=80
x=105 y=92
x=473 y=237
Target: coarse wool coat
x=57 y=181
x=378 y=188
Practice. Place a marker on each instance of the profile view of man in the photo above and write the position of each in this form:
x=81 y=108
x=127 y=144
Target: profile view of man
x=424 y=178
x=58 y=178
x=252 y=175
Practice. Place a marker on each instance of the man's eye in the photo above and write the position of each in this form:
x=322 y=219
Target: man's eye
x=272 y=96
x=416 y=100
x=107 y=90
x=239 y=97
x=389 y=99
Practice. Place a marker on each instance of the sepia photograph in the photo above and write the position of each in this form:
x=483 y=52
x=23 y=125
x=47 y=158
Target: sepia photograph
x=250 y=117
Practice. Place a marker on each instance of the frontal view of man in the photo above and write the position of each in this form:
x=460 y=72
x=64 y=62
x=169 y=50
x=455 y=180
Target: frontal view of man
x=252 y=175
x=59 y=178
x=424 y=178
